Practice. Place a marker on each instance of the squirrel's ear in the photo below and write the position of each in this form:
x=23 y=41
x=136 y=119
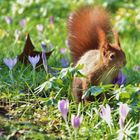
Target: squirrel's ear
x=116 y=37
x=102 y=38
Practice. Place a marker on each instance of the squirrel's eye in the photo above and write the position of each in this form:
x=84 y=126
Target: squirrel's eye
x=112 y=56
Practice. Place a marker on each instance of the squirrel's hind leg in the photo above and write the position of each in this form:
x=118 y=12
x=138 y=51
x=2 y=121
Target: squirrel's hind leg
x=77 y=89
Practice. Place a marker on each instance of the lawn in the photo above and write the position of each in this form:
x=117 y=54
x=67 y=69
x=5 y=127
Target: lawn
x=39 y=105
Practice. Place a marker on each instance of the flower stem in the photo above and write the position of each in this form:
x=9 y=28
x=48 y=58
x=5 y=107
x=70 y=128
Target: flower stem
x=45 y=64
x=34 y=83
x=68 y=128
x=11 y=76
x=110 y=129
x=75 y=134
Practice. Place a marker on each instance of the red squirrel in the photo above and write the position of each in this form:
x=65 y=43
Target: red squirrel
x=90 y=45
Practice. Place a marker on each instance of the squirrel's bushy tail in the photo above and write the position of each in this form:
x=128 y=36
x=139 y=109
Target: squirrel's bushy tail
x=82 y=28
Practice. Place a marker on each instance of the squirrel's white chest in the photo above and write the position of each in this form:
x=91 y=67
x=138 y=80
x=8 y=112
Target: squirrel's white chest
x=90 y=61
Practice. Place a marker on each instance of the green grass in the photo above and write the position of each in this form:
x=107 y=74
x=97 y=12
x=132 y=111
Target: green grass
x=26 y=114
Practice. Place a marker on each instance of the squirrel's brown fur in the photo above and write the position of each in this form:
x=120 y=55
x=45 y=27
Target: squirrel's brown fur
x=82 y=25
x=90 y=45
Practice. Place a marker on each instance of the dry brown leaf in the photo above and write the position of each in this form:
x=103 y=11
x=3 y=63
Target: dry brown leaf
x=29 y=51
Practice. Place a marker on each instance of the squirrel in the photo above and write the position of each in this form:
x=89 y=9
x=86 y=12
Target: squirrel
x=89 y=30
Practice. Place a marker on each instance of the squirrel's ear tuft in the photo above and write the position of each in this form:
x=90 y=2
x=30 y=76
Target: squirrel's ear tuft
x=116 y=38
x=102 y=38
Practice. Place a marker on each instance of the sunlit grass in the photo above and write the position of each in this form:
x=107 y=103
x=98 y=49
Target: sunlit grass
x=35 y=115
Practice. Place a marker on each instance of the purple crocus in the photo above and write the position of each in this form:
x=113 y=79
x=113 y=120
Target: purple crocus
x=76 y=121
x=8 y=20
x=44 y=47
x=123 y=111
x=23 y=23
x=51 y=19
x=121 y=79
x=63 y=106
x=106 y=114
x=10 y=62
x=62 y=50
x=34 y=60
x=40 y=27
x=64 y=62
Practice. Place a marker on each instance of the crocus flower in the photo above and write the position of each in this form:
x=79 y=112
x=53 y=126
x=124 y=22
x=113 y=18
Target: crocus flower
x=121 y=79
x=17 y=34
x=51 y=25
x=123 y=111
x=44 y=49
x=10 y=62
x=76 y=121
x=23 y=23
x=34 y=60
x=40 y=27
x=62 y=50
x=136 y=68
x=64 y=62
x=8 y=20
x=106 y=114
x=51 y=19
x=63 y=106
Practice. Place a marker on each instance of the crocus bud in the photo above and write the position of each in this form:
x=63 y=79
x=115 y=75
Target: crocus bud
x=63 y=50
x=121 y=79
x=23 y=23
x=64 y=62
x=106 y=114
x=76 y=121
x=8 y=20
x=40 y=27
x=51 y=19
x=63 y=106
x=44 y=47
x=123 y=111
